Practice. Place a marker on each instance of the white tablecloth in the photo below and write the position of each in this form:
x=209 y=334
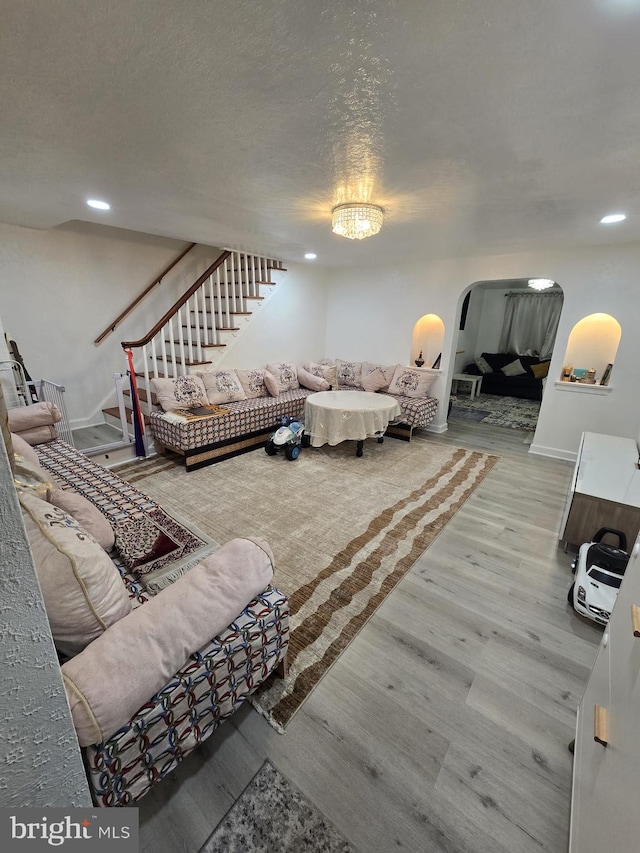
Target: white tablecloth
x=334 y=416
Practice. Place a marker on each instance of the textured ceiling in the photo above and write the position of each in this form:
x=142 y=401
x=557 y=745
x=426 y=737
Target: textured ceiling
x=479 y=125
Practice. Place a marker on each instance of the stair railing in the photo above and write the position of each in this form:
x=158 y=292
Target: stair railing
x=112 y=326
x=196 y=323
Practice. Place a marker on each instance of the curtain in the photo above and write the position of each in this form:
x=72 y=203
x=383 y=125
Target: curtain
x=530 y=323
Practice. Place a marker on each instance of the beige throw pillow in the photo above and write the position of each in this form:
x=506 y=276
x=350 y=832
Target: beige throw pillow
x=311 y=381
x=349 y=374
x=286 y=375
x=375 y=380
x=183 y=392
x=411 y=383
x=222 y=386
x=386 y=370
x=252 y=382
x=82 y=589
x=324 y=370
x=514 y=368
x=85 y=513
x=271 y=384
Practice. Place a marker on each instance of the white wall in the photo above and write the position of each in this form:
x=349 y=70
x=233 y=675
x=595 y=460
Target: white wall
x=60 y=288
x=290 y=326
x=371 y=313
x=491 y=320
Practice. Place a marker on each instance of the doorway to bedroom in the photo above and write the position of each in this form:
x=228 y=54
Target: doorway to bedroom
x=506 y=336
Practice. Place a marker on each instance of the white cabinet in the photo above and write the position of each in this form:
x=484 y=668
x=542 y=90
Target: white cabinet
x=605 y=489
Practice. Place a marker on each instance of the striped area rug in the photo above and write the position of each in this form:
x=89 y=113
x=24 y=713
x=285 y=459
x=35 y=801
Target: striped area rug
x=344 y=531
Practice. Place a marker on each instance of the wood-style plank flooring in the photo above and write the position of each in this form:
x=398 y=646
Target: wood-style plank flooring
x=444 y=726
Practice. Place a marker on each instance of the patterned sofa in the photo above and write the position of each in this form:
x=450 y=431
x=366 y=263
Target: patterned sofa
x=154 y=683
x=251 y=410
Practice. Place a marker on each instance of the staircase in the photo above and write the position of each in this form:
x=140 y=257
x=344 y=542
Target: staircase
x=201 y=326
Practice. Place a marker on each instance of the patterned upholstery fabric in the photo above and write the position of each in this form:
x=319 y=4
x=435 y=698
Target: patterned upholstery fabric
x=245 y=416
x=211 y=685
x=209 y=688
x=417 y=412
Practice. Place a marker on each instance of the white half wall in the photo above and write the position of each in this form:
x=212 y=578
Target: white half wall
x=371 y=313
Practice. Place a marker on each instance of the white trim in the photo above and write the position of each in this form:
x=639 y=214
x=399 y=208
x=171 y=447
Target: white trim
x=553 y=452
x=582 y=387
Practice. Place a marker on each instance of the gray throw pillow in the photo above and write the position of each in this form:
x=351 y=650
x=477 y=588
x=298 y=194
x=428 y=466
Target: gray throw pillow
x=514 y=368
x=483 y=365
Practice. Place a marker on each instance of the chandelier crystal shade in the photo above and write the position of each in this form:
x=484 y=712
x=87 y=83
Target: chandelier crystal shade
x=356 y=221
x=541 y=283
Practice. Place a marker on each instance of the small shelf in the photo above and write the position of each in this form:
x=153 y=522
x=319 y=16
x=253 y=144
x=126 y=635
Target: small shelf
x=583 y=388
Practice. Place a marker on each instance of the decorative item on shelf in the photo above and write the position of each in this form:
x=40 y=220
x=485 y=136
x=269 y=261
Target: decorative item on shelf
x=578 y=374
x=591 y=376
x=356 y=221
x=606 y=374
x=566 y=373
x=436 y=363
x=419 y=360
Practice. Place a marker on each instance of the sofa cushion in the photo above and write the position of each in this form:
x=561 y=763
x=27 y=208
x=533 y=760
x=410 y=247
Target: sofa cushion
x=514 y=368
x=85 y=513
x=23 y=449
x=252 y=382
x=374 y=380
x=540 y=370
x=349 y=374
x=222 y=386
x=311 y=381
x=24 y=419
x=104 y=692
x=324 y=370
x=82 y=589
x=483 y=365
x=183 y=392
x=286 y=375
x=387 y=371
x=271 y=384
x=411 y=383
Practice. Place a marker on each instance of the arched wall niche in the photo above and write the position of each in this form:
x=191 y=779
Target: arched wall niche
x=428 y=338
x=593 y=344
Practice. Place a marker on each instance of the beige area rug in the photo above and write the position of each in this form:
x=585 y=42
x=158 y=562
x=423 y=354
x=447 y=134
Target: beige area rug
x=344 y=530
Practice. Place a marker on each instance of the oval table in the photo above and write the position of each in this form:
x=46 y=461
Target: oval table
x=331 y=417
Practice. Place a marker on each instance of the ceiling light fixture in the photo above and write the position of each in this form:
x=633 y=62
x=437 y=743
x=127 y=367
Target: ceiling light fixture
x=310 y=256
x=541 y=283
x=356 y=221
x=98 y=205
x=613 y=217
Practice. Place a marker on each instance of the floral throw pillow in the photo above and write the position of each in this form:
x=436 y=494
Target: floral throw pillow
x=183 y=392
x=410 y=383
x=253 y=383
x=349 y=374
x=286 y=375
x=222 y=386
x=323 y=370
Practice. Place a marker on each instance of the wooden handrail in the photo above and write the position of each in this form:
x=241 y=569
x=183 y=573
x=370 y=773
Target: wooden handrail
x=112 y=326
x=205 y=275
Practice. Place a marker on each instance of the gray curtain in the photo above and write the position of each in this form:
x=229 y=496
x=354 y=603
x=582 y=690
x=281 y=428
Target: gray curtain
x=530 y=323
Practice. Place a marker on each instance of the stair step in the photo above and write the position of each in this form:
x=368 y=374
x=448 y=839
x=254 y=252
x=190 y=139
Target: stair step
x=218 y=328
x=115 y=413
x=142 y=394
x=178 y=359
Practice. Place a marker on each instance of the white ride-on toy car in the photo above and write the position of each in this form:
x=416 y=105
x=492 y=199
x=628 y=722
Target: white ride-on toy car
x=291 y=436
x=599 y=570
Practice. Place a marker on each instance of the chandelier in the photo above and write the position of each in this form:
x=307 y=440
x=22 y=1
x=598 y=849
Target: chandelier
x=356 y=221
x=541 y=283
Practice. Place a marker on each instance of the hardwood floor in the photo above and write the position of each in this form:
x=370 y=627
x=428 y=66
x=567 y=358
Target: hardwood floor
x=444 y=726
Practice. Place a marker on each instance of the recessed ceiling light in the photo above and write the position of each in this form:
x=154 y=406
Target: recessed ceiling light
x=613 y=217
x=99 y=205
x=310 y=256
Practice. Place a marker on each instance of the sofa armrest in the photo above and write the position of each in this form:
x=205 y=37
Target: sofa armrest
x=123 y=668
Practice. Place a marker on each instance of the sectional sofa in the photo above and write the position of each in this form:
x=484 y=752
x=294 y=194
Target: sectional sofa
x=161 y=633
x=249 y=404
